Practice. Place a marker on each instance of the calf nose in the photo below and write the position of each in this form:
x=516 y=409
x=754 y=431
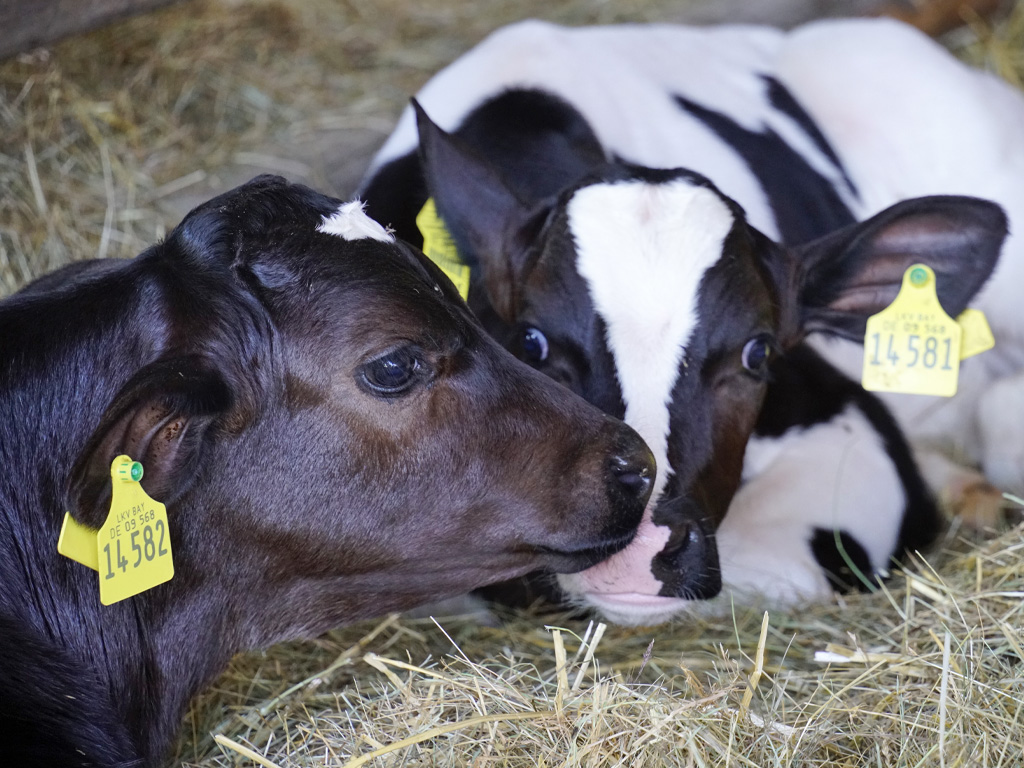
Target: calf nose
x=631 y=466
x=688 y=566
x=630 y=478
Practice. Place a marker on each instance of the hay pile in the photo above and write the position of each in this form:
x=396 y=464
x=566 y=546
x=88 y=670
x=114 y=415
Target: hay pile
x=105 y=140
x=929 y=672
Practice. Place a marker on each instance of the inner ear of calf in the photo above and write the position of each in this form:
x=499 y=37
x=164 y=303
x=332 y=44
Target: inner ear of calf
x=853 y=273
x=162 y=418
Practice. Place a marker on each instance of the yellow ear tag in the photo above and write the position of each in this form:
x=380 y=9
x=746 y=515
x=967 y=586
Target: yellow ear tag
x=134 y=545
x=912 y=345
x=132 y=549
x=977 y=336
x=78 y=542
x=440 y=248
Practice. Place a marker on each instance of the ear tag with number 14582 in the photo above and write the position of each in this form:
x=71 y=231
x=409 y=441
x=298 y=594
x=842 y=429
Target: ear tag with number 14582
x=132 y=550
x=913 y=346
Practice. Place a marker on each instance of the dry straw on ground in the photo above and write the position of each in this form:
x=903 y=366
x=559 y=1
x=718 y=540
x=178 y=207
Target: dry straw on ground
x=103 y=137
x=925 y=672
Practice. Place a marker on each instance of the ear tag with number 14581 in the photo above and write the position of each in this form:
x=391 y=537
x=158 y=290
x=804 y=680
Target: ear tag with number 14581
x=132 y=550
x=913 y=346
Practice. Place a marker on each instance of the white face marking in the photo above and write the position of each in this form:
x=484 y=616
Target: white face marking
x=351 y=222
x=643 y=249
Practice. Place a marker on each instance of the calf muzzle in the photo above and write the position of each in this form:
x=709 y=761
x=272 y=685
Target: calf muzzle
x=688 y=566
x=629 y=474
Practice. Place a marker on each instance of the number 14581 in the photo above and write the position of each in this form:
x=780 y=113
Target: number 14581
x=918 y=351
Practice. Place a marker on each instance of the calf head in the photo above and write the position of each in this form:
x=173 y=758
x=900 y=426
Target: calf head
x=648 y=293
x=333 y=433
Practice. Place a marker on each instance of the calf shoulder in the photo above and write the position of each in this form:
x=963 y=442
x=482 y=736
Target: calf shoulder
x=54 y=709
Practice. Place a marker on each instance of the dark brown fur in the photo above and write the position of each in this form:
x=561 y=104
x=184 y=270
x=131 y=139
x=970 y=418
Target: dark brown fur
x=232 y=361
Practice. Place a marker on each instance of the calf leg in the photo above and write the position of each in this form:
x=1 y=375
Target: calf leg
x=963 y=491
x=827 y=499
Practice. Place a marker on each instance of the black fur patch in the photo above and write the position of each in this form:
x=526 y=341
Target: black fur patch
x=842 y=558
x=805 y=204
x=780 y=98
x=804 y=390
x=395 y=195
x=539 y=143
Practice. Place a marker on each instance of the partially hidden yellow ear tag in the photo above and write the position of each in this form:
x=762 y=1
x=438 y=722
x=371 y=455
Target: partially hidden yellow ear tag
x=132 y=549
x=78 y=542
x=440 y=248
x=913 y=346
x=977 y=336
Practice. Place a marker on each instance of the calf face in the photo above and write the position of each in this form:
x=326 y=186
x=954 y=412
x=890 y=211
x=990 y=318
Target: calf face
x=647 y=292
x=333 y=435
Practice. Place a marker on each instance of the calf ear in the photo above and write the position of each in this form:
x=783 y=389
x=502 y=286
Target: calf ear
x=847 y=276
x=161 y=418
x=487 y=221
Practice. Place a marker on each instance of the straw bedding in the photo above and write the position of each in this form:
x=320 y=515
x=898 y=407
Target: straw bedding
x=926 y=672
x=107 y=139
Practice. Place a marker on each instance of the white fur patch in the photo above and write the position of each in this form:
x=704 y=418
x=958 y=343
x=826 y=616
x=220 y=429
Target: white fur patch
x=643 y=250
x=835 y=475
x=351 y=222
x=599 y=70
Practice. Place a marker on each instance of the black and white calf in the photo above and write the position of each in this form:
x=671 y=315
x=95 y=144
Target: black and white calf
x=332 y=432
x=657 y=297
x=808 y=130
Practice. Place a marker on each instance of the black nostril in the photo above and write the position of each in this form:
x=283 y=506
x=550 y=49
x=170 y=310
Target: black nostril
x=691 y=538
x=637 y=482
x=636 y=479
x=631 y=468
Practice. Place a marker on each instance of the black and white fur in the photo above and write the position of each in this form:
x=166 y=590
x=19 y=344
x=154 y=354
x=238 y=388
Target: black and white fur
x=834 y=120
x=713 y=101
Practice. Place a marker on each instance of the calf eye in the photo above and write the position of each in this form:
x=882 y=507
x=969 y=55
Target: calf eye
x=393 y=373
x=756 y=354
x=535 y=346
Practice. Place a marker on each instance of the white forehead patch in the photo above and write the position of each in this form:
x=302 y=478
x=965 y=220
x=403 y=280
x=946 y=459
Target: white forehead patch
x=351 y=222
x=643 y=249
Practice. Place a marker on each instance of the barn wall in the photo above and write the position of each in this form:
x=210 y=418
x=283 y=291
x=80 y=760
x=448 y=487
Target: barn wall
x=26 y=24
